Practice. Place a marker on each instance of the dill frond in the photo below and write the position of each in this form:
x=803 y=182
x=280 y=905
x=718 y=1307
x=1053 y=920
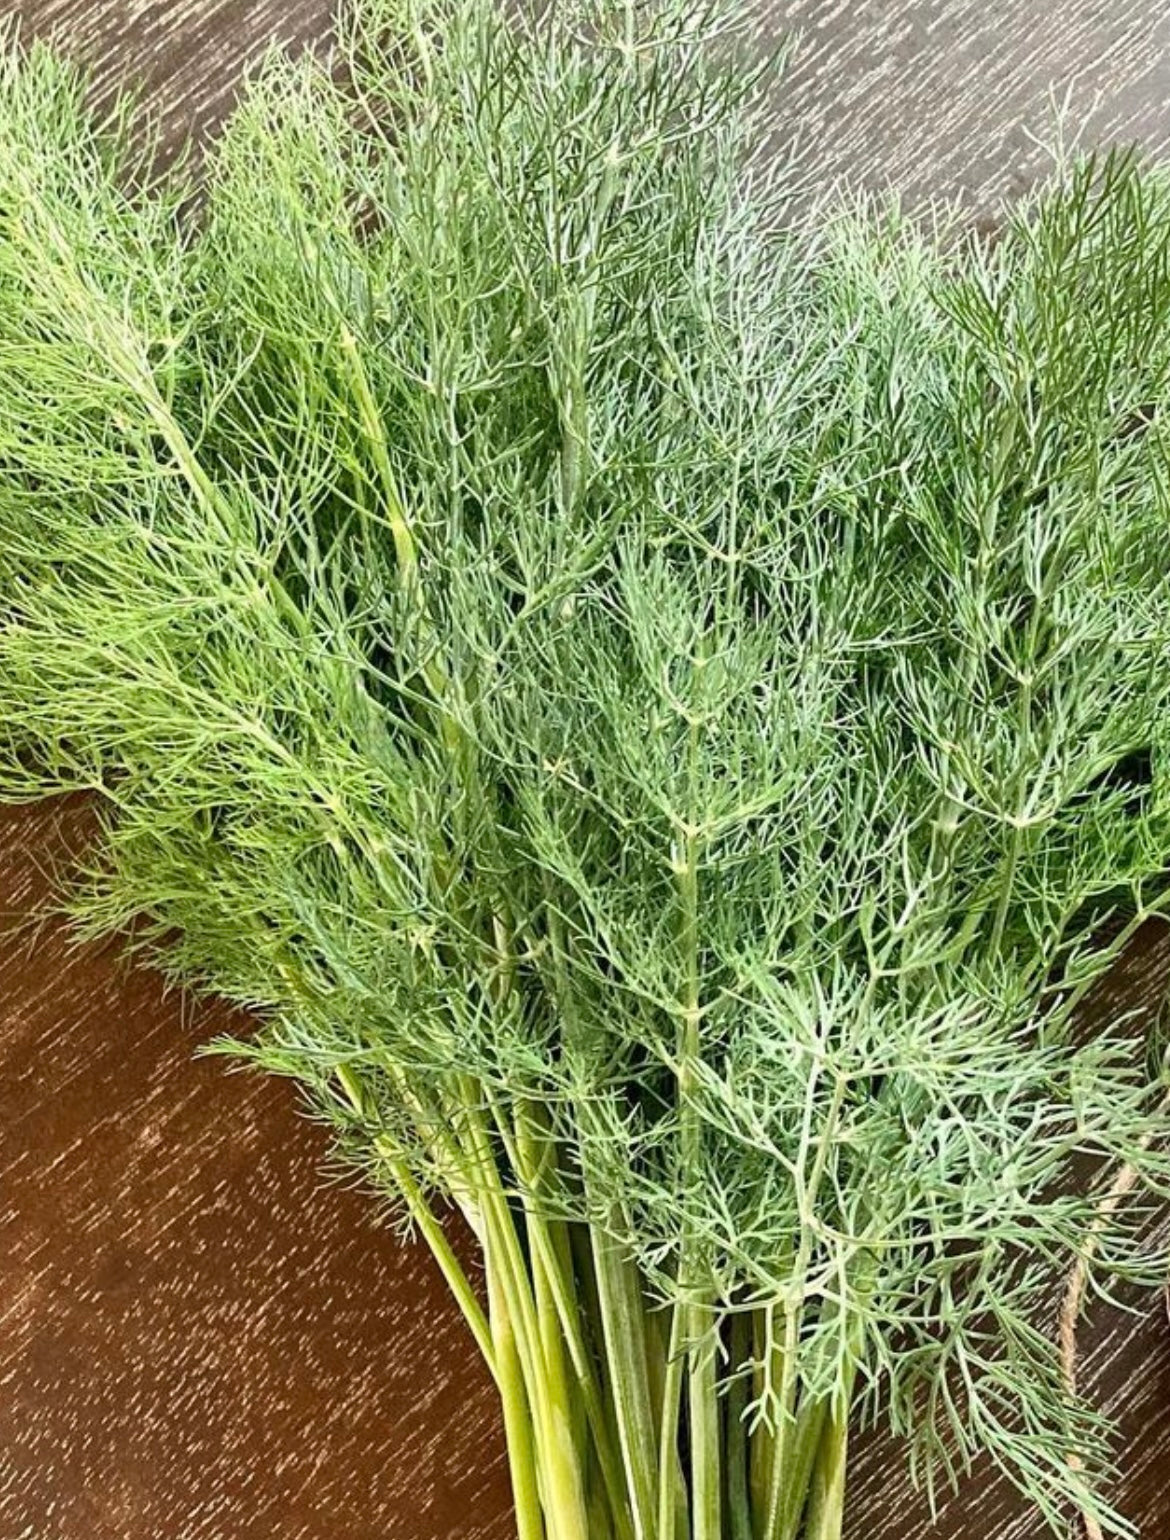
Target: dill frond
x=655 y=694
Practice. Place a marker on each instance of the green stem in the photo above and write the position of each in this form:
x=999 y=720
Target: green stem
x=705 y=1426
x=821 y=1441
x=802 y=1453
x=552 y=1265
x=429 y=1228
x=613 y=1300
x=702 y=1385
x=432 y=1232
x=374 y=432
x=563 y=1482
x=739 y=1511
x=826 y=1514
x=544 y=1378
x=619 y=1296
x=787 y=1427
x=602 y=1518
x=518 y=1430
x=702 y=1378
x=373 y=428
x=557 y=1321
x=672 y=1497
x=782 y=1438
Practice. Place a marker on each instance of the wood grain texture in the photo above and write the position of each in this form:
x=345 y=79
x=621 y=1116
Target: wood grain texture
x=197 y=1342
x=185 y=57
x=957 y=98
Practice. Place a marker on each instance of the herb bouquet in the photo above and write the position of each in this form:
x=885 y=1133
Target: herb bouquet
x=656 y=690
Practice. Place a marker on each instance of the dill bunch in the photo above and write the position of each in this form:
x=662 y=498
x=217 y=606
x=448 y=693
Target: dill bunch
x=653 y=692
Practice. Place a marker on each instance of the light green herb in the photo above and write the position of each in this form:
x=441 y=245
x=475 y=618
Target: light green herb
x=657 y=695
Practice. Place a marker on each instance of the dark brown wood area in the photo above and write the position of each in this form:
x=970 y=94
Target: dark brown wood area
x=199 y=1338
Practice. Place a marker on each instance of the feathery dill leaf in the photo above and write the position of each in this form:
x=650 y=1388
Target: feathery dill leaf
x=655 y=695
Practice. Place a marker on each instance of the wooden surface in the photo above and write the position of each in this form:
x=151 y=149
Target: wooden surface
x=198 y=1341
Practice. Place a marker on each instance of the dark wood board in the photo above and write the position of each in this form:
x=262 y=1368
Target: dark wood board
x=201 y=1339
